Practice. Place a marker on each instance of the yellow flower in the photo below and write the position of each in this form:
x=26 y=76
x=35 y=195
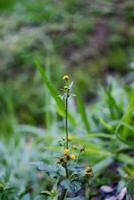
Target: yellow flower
x=73 y=157
x=66 y=78
x=70 y=138
x=66 y=152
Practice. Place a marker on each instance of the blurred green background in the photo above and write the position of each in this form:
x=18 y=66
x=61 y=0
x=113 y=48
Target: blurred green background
x=88 y=40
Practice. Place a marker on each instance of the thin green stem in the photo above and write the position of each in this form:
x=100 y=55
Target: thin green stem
x=66 y=119
x=64 y=192
x=66 y=126
x=66 y=169
x=63 y=195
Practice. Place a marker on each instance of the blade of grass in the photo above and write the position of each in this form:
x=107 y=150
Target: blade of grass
x=101 y=135
x=48 y=115
x=125 y=158
x=105 y=124
x=112 y=104
x=53 y=92
x=82 y=111
x=100 y=166
x=123 y=129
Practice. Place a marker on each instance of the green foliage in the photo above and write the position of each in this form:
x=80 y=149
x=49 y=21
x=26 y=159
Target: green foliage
x=118 y=59
x=125 y=131
x=6 y=4
x=89 y=41
x=102 y=146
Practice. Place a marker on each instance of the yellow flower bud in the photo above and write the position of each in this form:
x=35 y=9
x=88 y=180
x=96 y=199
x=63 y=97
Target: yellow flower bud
x=70 y=138
x=65 y=87
x=66 y=78
x=89 y=171
x=73 y=157
x=82 y=148
x=74 y=147
x=66 y=152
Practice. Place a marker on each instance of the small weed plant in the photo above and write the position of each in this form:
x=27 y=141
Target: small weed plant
x=71 y=177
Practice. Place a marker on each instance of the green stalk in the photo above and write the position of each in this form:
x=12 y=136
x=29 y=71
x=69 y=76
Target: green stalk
x=64 y=192
x=66 y=126
x=66 y=117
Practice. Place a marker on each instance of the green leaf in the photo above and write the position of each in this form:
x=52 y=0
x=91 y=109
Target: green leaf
x=71 y=186
x=40 y=165
x=53 y=171
x=97 y=168
x=66 y=184
x=130 y=185
x=1 y=186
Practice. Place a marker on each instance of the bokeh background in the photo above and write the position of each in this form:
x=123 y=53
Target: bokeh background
x=89 y=40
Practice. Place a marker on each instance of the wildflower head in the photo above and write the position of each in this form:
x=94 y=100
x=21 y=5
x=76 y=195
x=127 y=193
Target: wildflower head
x=89 y=171
x=66 y=152
x=82 y=148
x=66 y=78
x=73 y=157
x=61 y=160
x=70 y=138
